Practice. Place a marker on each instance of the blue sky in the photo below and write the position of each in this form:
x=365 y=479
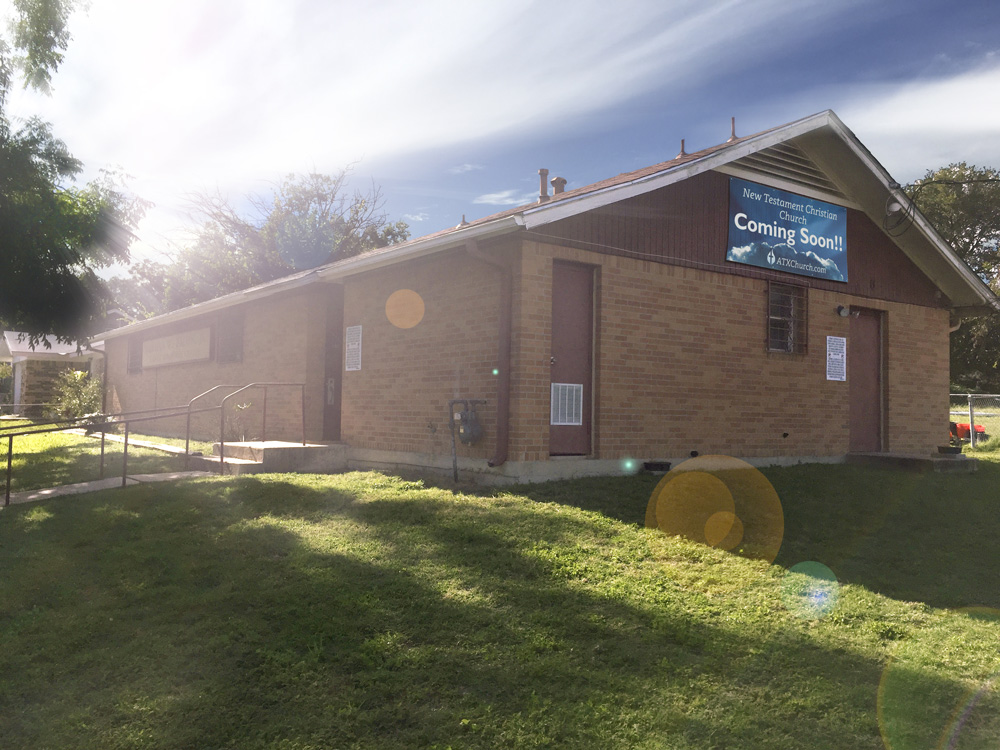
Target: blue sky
x=451 y=107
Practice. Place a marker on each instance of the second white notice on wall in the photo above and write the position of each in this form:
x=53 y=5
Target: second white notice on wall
x=352 y=348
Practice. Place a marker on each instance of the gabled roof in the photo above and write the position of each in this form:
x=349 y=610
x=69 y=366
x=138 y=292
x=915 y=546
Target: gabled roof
x=817 y=156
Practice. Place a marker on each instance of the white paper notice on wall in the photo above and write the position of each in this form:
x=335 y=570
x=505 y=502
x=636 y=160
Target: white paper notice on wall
x=836 y=358
x=352 y=348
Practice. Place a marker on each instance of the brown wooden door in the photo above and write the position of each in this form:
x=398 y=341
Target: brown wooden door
x=571 y=362
x=864 y=380
x=334 y=363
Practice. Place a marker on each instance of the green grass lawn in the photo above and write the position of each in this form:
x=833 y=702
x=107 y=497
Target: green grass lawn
x=364 y=611
x=57 y=458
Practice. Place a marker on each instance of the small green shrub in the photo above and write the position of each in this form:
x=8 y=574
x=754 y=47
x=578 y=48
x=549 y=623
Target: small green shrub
x=77 y=394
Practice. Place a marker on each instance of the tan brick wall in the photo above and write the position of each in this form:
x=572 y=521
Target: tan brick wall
x=283 y=341
x=38 y=383
x=681 y=366
x=680 y=360
x=918 y=377
x=399 y=398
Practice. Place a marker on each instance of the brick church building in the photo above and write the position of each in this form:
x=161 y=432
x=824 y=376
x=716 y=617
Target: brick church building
x=773 y=298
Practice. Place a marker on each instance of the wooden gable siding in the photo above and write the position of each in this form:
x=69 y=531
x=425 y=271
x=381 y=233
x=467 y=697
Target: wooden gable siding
x=686 y=224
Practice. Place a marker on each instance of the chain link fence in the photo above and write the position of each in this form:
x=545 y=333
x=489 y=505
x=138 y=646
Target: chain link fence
x=975 y=417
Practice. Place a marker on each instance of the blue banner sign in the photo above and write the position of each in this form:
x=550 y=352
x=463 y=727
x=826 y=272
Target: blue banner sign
x=774 y=229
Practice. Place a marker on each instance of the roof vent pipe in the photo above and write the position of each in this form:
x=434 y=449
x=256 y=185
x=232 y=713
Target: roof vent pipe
x=558 y=185
x=733 y=136
x=682 y=152
x=543 y=186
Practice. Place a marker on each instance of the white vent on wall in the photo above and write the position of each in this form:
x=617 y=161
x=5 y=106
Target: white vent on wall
x=567 y=403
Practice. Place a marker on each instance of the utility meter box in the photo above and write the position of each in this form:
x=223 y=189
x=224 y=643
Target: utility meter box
x=470 y=431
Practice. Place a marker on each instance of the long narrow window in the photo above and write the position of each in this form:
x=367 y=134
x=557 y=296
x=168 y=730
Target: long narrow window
x=229 y=337
x=134 y=356
x=786 y=318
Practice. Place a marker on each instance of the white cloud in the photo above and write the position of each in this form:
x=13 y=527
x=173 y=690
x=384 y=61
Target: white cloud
x=925 y=124
x=932 y=123
x=465 y=168
x=422 y=216
x=505 y=198
x=188 y=95
x=260 y=87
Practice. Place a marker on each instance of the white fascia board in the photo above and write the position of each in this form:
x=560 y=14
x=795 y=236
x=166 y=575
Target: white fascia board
x=977 y=284
x=419 y=248
x=564 y=209
x=542 y=215
x=351 y=266
x=214 y=305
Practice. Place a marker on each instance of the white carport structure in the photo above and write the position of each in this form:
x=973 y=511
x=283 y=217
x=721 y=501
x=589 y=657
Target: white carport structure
x=34 y=367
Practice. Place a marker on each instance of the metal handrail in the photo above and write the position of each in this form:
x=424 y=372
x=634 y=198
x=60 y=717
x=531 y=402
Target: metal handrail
x=95 y=418
x=102 y=422
x=187 y=431
x=265 y=386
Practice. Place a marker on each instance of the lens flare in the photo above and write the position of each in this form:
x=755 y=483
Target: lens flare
x=404 y=308
x=724 y=530
x=722 y=502
x=810 y=590
x=630 y=466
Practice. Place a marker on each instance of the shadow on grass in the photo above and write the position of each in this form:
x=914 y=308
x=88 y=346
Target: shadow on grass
x=374 y=613
x=622 y=498
x=913 y=537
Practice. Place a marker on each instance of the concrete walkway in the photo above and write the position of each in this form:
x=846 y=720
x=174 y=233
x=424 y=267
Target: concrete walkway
x=114 y=438
x=31 y=496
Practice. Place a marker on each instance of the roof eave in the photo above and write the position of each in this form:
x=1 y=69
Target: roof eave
x=350 y=266
x=421 y=247
x=988 y=301
x=567 y=207
x=214 y=305
x=827 y=120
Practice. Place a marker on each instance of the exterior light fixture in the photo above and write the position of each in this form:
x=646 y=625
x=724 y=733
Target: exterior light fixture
x=843 y=311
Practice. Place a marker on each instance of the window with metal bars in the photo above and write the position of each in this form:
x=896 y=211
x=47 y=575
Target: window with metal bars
x=786 y=318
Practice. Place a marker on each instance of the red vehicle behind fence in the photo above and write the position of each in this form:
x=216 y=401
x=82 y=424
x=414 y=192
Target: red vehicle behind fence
x=960 y=432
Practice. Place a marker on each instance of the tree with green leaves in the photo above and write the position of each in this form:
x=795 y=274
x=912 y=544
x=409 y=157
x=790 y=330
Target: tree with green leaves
x=963 y=203
x=54 y=235
x=309 y=220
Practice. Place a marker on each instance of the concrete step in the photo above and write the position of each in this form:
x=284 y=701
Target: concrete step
x=278 y=455
x=234 y=465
